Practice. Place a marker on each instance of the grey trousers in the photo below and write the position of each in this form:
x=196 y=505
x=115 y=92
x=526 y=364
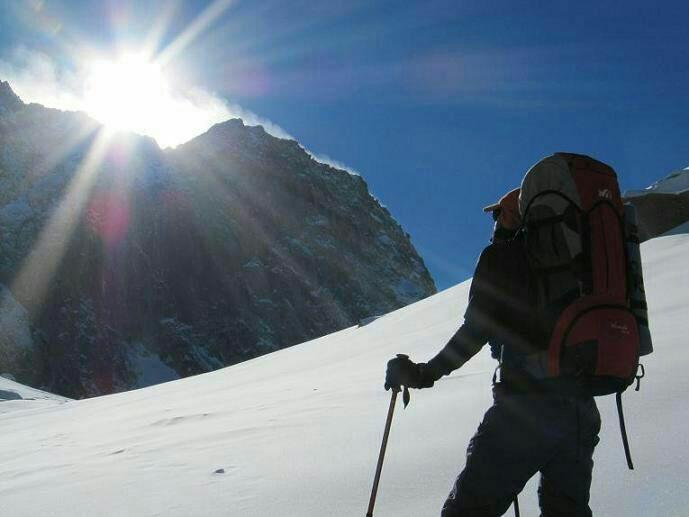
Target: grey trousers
x=520 y=435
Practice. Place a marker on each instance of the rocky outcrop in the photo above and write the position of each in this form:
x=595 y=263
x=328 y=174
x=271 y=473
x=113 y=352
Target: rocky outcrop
x=660 y=213
x=128 y=258
x=663 y=205
x=9 y=101
x=18 y=354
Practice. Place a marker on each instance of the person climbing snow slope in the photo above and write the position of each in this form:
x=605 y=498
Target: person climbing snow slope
x=527 y=282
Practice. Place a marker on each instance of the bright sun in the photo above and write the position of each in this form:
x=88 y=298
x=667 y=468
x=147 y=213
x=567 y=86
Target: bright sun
x=132 y=94
x=124 y=94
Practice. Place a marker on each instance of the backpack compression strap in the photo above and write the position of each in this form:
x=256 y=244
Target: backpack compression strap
x=623 y=430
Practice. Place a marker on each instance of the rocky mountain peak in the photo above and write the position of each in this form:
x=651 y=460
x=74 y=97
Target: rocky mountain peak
x=674 y=183
x=235 y=135
x=662 y=205
x=9 y=101
x=232 y=245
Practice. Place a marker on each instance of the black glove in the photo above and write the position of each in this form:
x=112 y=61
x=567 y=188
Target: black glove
x=403 y=372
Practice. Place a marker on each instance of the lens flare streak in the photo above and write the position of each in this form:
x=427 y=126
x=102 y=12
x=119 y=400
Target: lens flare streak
x=35 y=275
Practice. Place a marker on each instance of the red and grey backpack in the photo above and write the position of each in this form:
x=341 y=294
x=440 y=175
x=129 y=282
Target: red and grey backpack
x=584 y=275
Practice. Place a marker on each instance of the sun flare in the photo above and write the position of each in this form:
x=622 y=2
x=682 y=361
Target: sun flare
x=134 y=94
x=125 y=94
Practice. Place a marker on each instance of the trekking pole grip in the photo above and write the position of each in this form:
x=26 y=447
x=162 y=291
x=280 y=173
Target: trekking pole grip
x=406 y=397
x=381 y=455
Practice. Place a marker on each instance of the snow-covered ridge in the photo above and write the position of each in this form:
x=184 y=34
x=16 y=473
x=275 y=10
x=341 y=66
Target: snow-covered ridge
x=11 y=390
x=296 y=433
x=676 y=182
x=15 y=397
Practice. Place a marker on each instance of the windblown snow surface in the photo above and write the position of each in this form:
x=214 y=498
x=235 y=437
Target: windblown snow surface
x=297 y=432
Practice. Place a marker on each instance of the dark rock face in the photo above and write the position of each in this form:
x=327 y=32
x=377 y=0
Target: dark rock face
x=662 y=206
x=660 y=212
x=138 y=265
x=9 y=101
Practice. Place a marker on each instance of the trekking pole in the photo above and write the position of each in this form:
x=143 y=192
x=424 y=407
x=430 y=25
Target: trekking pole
x=381 y=456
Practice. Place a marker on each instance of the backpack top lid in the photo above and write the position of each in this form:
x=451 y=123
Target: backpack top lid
x=579 y=179
x=572 y=212
x=550 y=174
x=548 y=191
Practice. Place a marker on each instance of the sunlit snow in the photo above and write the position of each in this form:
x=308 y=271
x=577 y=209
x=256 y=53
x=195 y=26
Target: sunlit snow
x=297 y=432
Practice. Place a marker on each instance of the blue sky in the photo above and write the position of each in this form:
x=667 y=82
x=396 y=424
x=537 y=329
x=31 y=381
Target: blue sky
x=441 y=105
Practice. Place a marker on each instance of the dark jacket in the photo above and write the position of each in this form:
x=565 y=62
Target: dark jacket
x=500 y=311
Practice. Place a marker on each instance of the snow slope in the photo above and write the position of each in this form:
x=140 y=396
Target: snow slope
x=15 y=397
x=297 y=432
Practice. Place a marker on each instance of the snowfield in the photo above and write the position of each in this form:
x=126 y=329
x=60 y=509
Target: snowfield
x=16 y=397
x=297 y=432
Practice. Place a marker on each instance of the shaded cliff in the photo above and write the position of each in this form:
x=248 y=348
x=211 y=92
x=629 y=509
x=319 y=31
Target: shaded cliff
x=138 y=265
x=663 y=205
